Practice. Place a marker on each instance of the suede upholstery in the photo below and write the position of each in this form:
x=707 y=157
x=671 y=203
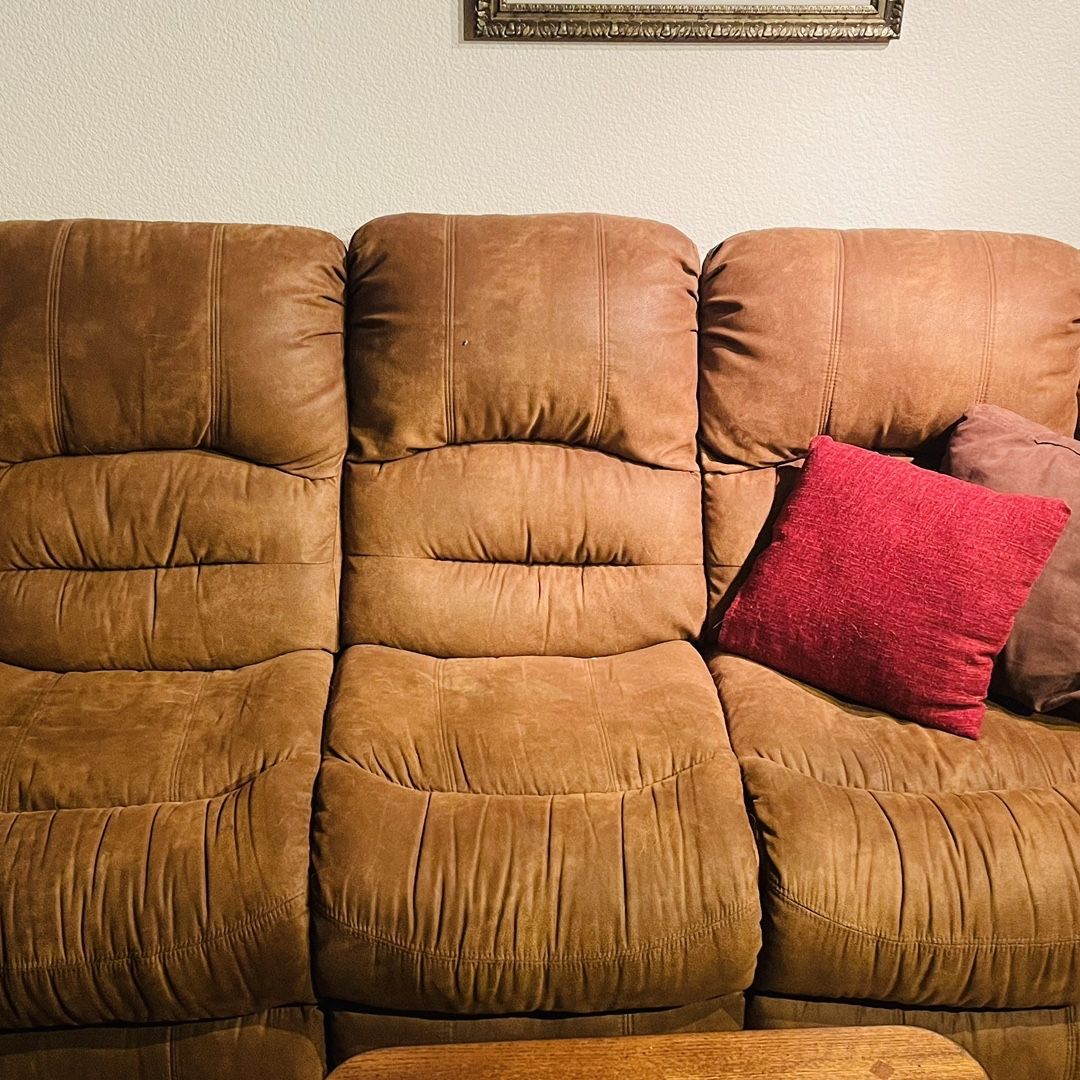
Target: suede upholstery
x=907 y=876
x=527 y=802
x=352 y=1031
x=514 y=862
x=566 y=395
x=283 y=1043
x=1039 y=667
x=172 y=426
x=1015 y=1044
x=879 y=338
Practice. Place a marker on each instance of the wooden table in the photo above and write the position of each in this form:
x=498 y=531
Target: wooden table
x=866 y=1053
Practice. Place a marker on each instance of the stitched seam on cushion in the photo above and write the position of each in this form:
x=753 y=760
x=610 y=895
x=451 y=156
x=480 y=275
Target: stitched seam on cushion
x=230 y=456
x=52 y=339
x=1059 y=445
x=522 y=961
x=256 y=920
x=601 y=726
x=888 y=939
x=833 y=363
x=899 y=855
x=214 y=332
x=174 y=772
x=449 y=250
x=146 y=569
x=513 y=562
x=928 y=795
x=877 y=752
x=533 y=795
x=170 y=1042
x=601 y=288
x=337 y=561
x=19 y=739
x=983 y=385
x=352 y=459
x=238 y=785
x=1072 y=1042
x=440 y=721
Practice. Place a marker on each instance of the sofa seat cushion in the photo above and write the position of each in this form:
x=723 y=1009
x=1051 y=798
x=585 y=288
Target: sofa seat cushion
x=772 y=716
x=957 y=899
x=154 y=841
x=907 y=865
x=530 y=834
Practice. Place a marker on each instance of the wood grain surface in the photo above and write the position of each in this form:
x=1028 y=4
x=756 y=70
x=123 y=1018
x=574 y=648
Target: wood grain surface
x=868 y=1053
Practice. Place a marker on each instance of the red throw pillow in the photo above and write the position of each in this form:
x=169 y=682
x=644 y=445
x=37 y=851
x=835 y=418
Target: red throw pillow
x=891 y=585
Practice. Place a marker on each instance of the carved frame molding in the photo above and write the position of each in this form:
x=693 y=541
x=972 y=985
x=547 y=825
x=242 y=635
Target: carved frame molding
x=534 y=20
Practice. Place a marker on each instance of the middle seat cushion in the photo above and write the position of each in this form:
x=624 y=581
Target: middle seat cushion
x=530 y=834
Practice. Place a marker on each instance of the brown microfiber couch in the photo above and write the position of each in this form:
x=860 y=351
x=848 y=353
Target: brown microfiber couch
x=529 y=819
x=908 y=875
x=172 y=426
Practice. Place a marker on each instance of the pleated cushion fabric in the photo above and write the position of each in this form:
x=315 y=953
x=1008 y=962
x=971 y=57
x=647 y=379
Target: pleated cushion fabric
x=275 y=1044
x=522 y=472
x=172 y=429
x=891 y=585
x=509 y=835
x=948 y=899
x=1040 y=665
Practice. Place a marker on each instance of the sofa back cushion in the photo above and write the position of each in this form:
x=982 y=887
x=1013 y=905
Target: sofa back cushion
x=172 y=424
x=879 y=338
x=522 y=476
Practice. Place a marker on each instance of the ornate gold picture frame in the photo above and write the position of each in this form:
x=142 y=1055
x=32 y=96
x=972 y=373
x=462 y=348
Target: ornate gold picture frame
x=771 y=21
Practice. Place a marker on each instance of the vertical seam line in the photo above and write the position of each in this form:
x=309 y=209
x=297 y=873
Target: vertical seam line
x=449 y=247
x=214 y=332
x=983 y=386
x=602 y=302
x=337 y=569
x=189 y=720
x=1072 y=1052
x=174 y=1061
x=601 y=726
x=444 y=738
x=833 y=363
x=52 y=320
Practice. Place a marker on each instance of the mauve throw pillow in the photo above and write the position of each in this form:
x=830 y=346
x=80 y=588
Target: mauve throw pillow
x=1040 y=665
x=891 y=585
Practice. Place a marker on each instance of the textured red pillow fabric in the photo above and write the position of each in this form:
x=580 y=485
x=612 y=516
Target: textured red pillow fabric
x=891 y=585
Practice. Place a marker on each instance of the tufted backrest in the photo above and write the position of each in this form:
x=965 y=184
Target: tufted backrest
x=878 y=338
x=172 y=424
x=522 y=476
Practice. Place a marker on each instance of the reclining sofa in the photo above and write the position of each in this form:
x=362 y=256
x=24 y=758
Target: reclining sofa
x=358 y=676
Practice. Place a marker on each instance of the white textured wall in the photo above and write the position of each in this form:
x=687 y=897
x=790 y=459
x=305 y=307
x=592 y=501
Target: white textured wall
x=330 y=112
